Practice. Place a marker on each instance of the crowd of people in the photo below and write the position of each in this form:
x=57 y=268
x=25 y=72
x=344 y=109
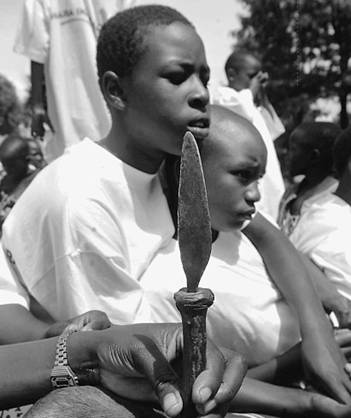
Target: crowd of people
x=90 y=259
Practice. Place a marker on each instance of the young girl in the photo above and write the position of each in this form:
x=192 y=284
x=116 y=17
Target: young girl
x=249 y=313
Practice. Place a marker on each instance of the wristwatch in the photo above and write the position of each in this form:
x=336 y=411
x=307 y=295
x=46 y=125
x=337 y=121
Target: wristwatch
x=62 y=375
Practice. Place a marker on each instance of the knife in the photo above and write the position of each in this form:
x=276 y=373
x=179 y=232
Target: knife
x=195 y=242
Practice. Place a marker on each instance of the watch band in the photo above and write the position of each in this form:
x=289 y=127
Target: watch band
x=62 y=375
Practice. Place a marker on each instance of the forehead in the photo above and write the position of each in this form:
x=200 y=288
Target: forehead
x=176 y=42
x=250 y=64
x=244 y=148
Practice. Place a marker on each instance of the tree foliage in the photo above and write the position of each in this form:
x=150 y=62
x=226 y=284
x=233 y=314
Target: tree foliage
x=305 y=45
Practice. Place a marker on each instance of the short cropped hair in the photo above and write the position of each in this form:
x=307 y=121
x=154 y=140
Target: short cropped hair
x=236 y=59
x=121 y=41
x=319 y=135
x=342 y=152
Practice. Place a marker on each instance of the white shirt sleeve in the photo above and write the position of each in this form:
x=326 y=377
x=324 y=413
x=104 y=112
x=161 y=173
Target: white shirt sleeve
x=323 y=237
x=33 y=37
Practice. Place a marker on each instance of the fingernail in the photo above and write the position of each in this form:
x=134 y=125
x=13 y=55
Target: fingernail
x=205 y=394
x=170 y=403
x=208 y=407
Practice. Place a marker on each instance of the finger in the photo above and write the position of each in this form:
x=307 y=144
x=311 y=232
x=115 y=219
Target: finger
x=347 y=352
x=233 y=376
x=151 y=362
x=208 y=382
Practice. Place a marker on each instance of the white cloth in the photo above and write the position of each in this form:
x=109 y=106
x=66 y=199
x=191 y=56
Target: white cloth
x=287 y=221
x=248 y=315
x=323 y=234
x=272 y=183
x=84 y=232
x=62 y=35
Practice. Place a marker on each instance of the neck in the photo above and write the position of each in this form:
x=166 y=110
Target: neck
x=344 y=190
x=313 y=177
x=130 y=150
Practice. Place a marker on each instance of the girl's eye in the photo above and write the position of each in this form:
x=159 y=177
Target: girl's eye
x=176 y=78
x=246 y=175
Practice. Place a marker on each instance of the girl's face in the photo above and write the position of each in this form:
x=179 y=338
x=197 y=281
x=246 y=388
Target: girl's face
x=166 y=94
x=232 y=170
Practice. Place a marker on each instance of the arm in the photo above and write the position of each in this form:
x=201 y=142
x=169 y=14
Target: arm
x=263 y=398
x=39 y=115
x=18 y=324
x=125 y=359
x=322 y=359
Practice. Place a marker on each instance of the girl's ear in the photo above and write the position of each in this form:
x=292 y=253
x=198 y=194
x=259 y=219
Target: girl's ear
x=112 y=90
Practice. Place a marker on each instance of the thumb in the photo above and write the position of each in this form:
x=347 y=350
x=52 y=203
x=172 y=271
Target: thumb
x=152 y=363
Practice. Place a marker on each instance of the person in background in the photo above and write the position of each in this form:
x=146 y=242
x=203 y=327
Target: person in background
x=246 y=95
x=21 y=159
x=321 y=231
x=60 y=38
x=310 y=154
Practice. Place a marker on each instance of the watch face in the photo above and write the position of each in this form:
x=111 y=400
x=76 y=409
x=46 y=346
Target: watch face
x=63 y=376
x=62 y=381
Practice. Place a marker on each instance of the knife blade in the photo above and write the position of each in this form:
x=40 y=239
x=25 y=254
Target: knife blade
x=194 y=225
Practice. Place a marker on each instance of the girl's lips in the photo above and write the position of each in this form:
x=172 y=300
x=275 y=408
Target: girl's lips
x=199 y=132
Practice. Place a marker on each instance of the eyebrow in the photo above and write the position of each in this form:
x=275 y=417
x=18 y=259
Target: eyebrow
x=186 y=65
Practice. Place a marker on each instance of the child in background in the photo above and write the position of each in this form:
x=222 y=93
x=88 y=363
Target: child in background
x=22 y=159
x=323 y=229
x=310 y=154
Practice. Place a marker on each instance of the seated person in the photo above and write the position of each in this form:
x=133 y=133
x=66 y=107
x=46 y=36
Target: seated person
x=322 y=231
x=309 y=155
x=21 y=159
x=249 y=313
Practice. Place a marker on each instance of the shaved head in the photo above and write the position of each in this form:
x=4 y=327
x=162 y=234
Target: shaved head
x=227 y=129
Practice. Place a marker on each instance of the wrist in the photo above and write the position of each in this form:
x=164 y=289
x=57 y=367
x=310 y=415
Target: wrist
x=299 y=404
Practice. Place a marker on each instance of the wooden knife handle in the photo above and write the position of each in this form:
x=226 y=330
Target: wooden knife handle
x=193 y=308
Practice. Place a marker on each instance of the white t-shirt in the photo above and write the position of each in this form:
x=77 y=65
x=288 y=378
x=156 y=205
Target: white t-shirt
x=62 y=35
x=323 y=234
x=272 y=184
x=84 y=231
x=248 y=315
